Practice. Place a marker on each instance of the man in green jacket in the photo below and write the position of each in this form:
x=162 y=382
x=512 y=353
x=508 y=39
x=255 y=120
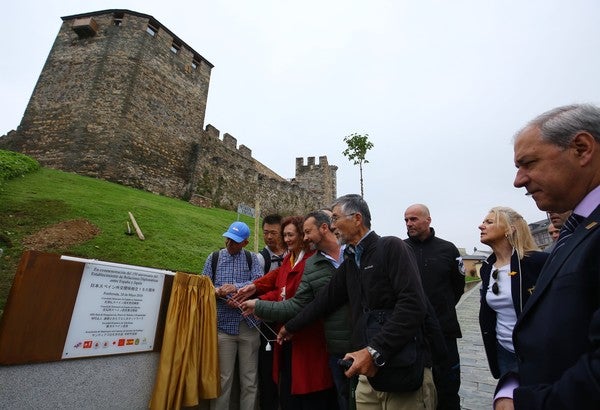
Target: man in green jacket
x=317 y=273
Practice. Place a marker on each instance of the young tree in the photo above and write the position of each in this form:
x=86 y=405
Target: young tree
x=358 y=145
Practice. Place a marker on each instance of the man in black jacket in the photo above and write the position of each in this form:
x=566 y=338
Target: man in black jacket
x=443 y=278
x=377 y=274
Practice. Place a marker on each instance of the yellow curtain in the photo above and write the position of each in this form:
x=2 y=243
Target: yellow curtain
x=189 y=364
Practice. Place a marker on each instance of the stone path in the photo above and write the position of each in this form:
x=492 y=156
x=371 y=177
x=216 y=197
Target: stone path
x=477 y=384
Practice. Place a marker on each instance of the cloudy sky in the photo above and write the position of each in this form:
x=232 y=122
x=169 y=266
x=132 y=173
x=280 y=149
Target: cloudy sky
x=439 y=86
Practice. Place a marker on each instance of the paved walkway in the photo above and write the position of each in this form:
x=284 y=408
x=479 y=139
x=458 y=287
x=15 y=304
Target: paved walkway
x=477 y=384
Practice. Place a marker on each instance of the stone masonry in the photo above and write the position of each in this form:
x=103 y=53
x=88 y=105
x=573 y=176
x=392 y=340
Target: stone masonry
x=122 y=98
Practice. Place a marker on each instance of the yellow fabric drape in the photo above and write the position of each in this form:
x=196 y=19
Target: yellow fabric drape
x=189 y=364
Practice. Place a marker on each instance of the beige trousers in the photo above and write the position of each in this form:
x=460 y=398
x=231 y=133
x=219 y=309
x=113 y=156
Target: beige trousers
x=423 y=398
x=244 y=347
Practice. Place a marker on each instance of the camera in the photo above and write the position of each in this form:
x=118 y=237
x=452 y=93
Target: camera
x=345 y=364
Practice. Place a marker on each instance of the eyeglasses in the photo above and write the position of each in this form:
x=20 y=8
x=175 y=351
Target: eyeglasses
x=495 y=287
x=335 y=218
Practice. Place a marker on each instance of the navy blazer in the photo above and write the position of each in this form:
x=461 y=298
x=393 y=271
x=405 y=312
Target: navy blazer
x=521 y=287
x=557 y=336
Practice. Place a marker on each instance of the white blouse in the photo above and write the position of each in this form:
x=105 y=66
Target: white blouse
x=502 y=303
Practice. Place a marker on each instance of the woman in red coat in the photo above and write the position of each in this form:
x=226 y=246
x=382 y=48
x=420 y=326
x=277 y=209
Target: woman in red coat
x=300 y=366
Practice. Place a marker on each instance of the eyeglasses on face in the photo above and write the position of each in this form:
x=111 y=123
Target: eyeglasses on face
x=495 y=287
x=335 y=218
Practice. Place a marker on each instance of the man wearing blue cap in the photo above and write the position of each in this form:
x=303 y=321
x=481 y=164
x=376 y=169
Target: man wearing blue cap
x=230 y=269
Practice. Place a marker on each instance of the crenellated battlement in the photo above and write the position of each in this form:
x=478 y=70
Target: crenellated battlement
x=310 y=163
x=228 y=141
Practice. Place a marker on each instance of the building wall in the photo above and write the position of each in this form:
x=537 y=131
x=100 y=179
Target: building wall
x=114 y=101
x=228 y=176
x=539 y=231
x=472 y=267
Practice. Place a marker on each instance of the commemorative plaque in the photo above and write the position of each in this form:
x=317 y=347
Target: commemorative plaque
x=116 y=310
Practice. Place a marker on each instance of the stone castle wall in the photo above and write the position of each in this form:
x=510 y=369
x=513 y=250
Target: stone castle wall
x=122 y=98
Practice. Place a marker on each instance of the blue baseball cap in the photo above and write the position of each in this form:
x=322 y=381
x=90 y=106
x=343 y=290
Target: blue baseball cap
x=237 y=231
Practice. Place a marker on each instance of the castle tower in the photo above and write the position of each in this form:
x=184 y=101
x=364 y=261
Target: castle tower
x=319 y=179
x=120 y=97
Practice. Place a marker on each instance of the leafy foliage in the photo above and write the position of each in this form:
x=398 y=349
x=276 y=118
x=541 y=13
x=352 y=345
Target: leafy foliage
x=358 y=145
x=13 y=164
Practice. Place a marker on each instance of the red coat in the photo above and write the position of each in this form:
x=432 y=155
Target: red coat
x=310 y=369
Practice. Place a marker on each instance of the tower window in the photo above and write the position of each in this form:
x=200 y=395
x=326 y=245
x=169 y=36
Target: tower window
x=175 y=47
x=151 y=30
x=118 y=19
x=195 y=63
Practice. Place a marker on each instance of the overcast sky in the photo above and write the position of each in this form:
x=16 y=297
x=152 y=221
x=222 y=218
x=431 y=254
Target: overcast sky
x=439 y=86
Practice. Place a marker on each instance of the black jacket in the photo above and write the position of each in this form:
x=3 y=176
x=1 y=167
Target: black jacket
x=442 y=278
x=521 y=287
x=398 y=287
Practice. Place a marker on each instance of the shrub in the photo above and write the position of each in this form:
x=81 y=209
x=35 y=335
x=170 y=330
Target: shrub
x=13 y=164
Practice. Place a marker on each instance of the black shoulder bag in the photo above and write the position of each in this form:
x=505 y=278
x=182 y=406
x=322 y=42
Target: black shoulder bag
x=403 y=372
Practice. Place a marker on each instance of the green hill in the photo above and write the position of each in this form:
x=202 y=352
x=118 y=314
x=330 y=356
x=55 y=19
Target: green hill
x=178 y=235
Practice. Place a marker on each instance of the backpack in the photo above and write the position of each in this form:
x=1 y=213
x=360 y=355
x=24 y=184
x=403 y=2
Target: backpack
x=267 y=257
x=215 y=260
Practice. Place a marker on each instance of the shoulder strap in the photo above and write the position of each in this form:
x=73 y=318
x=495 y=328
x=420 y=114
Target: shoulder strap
x=267 y=257
x=248 y=259
x=214 y=261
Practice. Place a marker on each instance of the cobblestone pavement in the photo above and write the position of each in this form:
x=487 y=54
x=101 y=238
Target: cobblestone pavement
x=477 y=384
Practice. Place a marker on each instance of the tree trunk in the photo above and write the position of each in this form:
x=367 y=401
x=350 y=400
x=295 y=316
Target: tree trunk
x=362 y=194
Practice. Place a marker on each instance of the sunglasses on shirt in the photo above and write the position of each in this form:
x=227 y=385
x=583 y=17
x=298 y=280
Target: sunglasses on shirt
x=495 y=287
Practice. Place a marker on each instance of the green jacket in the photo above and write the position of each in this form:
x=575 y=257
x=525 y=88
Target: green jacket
x=317 y=273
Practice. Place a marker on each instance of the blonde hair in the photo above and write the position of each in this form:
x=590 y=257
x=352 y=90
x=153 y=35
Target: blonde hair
x=516 y=230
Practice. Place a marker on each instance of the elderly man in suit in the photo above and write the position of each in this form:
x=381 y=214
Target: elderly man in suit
x=557 y=336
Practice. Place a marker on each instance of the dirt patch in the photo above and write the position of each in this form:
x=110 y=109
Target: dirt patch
x=61 y=235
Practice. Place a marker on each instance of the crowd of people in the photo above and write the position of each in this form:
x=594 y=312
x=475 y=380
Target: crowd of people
x=353 y=320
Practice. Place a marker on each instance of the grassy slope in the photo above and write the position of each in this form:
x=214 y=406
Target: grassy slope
x=179 y=236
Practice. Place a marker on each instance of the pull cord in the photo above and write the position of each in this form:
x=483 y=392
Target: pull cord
x=268 y=347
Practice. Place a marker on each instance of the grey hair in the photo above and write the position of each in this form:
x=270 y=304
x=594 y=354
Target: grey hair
x=321 y=217
x=559 y=125
x=354 y=203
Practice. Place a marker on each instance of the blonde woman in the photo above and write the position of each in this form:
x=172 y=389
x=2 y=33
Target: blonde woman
x=508 y=278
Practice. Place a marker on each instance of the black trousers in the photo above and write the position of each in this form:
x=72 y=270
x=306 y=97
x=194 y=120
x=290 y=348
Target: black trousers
x=446 y=376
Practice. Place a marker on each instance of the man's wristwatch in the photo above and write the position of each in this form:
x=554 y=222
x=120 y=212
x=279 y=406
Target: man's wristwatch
x=376 y=356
